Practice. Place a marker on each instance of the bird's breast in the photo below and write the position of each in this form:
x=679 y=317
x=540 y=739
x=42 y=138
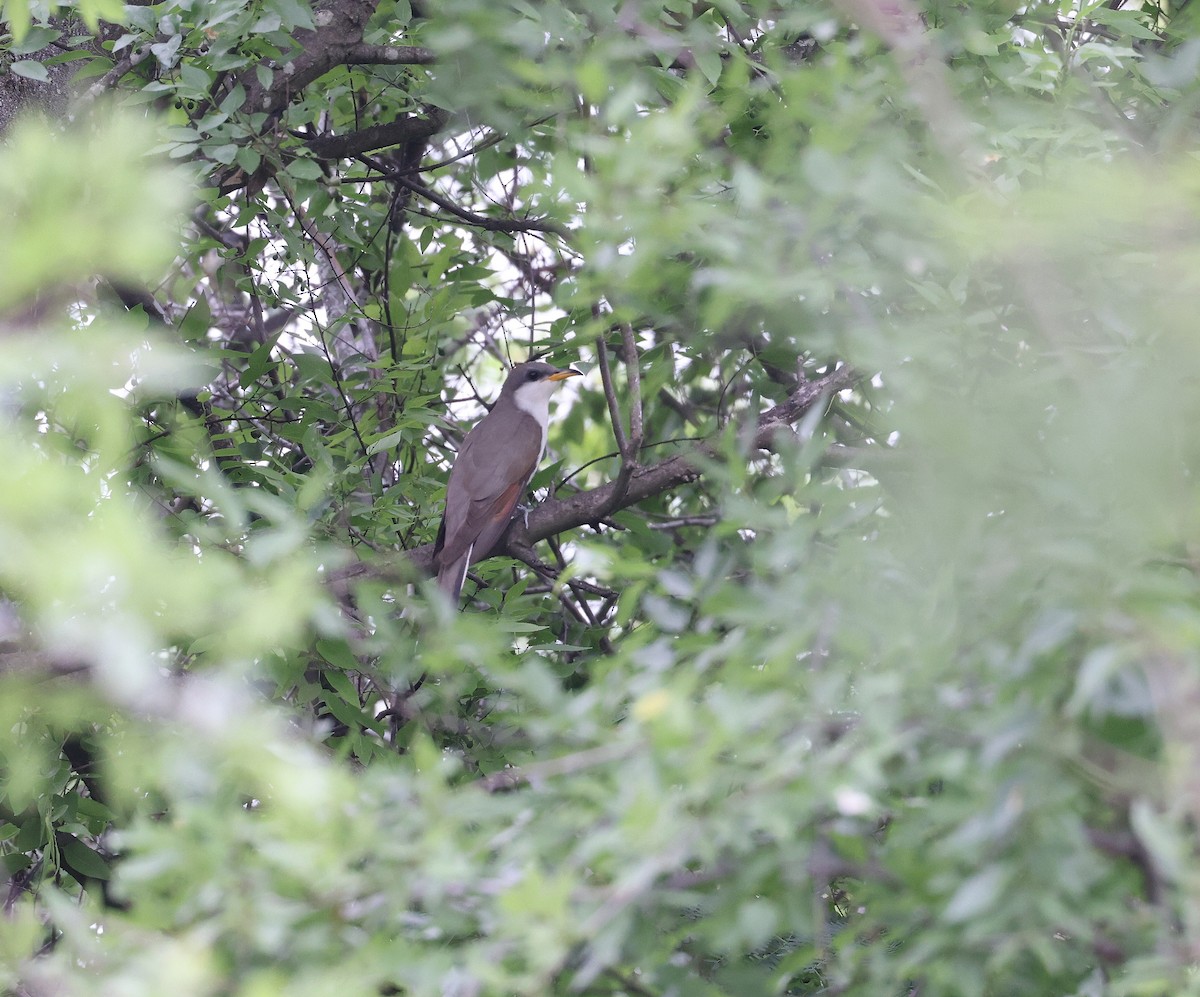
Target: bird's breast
x=538 y=409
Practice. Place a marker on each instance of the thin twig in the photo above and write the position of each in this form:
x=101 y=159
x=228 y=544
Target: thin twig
x=633 y=372
x=109 y=79
x=462 y=214
x=683 y=521
x=628 y=443
x=610 y=396
x=580 y=761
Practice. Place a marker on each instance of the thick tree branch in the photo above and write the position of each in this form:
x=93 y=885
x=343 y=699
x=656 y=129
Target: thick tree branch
x=110 y=79
x=559 y=515
x=337 y=35
x=389 y=55
x=336 y=40
x=408 y=128
x=484 y=222
x=800 y=401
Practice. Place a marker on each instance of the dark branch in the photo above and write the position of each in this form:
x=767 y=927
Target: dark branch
x=389 y=55
x=462 y=214
x=800 y=401
x=556 y=516
x=338 y=33
x=628 y=443
x=395 y=132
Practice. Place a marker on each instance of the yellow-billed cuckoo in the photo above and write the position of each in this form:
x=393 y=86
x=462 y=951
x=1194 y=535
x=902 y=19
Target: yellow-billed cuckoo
x=492 y=470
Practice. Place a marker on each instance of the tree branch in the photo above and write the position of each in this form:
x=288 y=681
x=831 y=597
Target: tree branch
x=338 y=34
x=559 y=515
x=800 y=401
x=633 y=374
x=628 y=443
x=470 y=217
x=389 y=55
x=394 y=132
x=113 y=76
x=551 y=768
x=610 y=396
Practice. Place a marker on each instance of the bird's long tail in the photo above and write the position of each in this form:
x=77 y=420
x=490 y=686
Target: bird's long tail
x=451 y=576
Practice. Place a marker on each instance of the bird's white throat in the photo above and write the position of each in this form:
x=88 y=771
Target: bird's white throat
x=534 y=399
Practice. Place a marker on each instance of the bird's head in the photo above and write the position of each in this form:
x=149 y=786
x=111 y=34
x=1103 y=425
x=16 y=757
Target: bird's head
x=532 y=383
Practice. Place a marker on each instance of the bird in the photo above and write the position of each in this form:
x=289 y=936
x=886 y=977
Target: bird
x=492 y=471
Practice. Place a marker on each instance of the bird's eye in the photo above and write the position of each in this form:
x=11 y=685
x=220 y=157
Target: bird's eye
x=533 y=375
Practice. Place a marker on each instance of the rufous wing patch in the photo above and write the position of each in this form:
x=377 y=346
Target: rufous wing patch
x=504 y=503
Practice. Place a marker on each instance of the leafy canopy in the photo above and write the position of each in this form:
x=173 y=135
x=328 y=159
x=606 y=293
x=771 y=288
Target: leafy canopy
x=861 y=654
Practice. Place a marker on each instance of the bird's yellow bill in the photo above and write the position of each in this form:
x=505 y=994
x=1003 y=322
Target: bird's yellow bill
x=562 y=375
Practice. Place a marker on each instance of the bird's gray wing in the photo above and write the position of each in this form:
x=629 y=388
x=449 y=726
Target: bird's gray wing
x=488 y=479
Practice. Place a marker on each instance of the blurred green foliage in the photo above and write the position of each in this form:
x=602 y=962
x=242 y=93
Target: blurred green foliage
x=905 y=707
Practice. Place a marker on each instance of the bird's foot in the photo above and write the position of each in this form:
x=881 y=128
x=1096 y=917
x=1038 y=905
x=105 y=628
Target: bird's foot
x=523 y=511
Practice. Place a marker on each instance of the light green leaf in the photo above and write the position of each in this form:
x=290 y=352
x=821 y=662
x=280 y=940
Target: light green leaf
x=304 y=169
x=708 y=61
x=30 y=70
x=975 y=896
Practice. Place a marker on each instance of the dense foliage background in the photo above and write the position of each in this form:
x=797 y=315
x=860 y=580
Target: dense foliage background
x=853 y=642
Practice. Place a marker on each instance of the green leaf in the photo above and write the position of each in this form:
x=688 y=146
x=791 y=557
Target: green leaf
x=83 y=859
x=294 y=13
x=234 y=100
x=266 y=24
x=976 y=895
x=708 y=61
x=517 y=626
x=95 y=11
x=17 y=13
x=248 y=158
x=223 y=153
x=167 y=52
x=34 y=40
x=15 y=862
x=305 y=169
x=194 y=78
x=388 y=440
x=30 y=70
x=257 y=364
x=337 y=652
